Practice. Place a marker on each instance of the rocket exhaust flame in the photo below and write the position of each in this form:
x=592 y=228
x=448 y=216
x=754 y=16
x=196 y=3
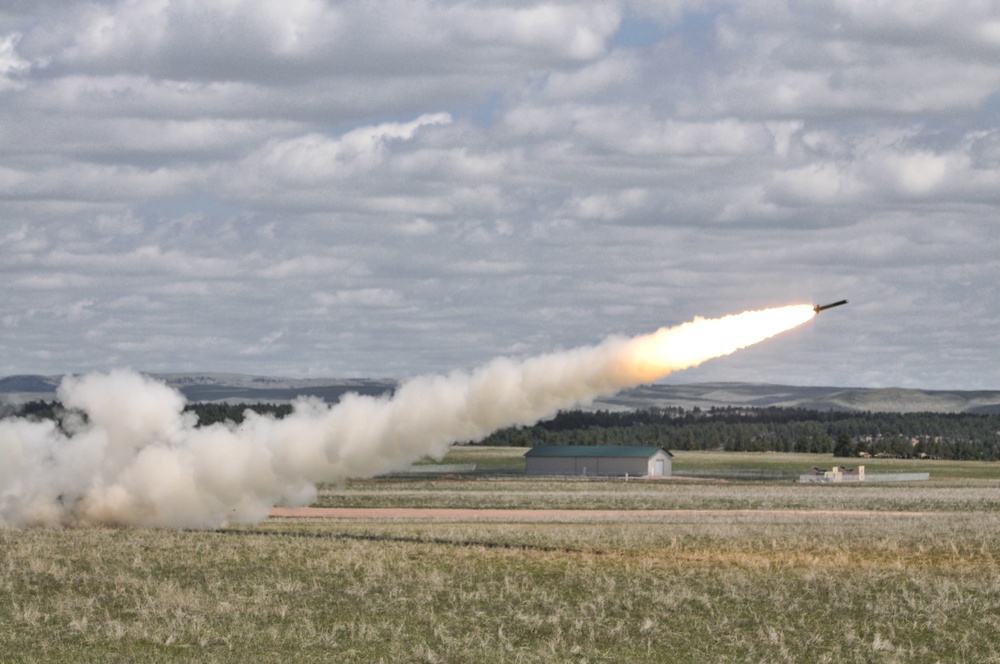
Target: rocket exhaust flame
x=137 y=459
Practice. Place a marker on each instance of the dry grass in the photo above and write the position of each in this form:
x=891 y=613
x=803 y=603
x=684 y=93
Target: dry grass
x=979 y=495
x=869 y=586
x=801 y=463
x=757 y=588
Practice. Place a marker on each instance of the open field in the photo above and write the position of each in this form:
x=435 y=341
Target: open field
x=801 y=463
x=662 y=495
x=511 y=460
x=954 y=486
x=814 y=588
x=739 y=583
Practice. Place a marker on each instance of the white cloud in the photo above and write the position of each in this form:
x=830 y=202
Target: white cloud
x=618 y=70
x=609 y=207
x=185 y=39
x=315 y=159
x=417 y=227
x=264 y=41
x=578 y=31
x=48 y=282
x=363 y=297
x=918 y=173
x=80 y=310
x=304 y=266
x=822 y=183
x=12 y=66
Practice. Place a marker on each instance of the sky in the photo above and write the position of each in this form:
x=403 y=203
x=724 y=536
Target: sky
x=309 y=188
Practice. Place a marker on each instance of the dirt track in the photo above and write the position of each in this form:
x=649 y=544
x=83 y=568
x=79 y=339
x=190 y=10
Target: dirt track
x=556 y=516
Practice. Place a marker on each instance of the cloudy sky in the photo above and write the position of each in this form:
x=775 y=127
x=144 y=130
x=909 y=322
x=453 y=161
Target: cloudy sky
x=313 y=188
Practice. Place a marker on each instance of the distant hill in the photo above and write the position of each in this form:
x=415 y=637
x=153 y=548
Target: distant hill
x=233 y=388
x=198 y=387
x=28 y=385
x=761 y=395
x=248 y=389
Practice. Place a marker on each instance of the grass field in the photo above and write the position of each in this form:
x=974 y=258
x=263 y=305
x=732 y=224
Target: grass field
x=910 y=574
x=511 y=459
x=801 y=463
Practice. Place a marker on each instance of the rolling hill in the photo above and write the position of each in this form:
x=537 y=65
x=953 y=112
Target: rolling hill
x=232 y=388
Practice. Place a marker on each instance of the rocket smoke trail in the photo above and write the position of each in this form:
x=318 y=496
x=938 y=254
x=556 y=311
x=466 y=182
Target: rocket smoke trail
x=137 y=459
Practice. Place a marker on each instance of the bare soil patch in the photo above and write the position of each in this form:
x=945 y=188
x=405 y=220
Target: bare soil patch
x=556 y=516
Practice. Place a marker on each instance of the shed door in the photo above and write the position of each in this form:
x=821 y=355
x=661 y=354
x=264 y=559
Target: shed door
x=659 y=467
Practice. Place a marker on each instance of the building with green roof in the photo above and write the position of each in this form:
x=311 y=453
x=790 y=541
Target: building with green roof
x=598 y=460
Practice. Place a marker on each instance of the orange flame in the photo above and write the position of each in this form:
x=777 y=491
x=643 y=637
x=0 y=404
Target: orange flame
x=690 y=344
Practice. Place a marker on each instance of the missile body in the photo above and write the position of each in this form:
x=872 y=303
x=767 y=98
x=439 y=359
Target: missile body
x=821 y=307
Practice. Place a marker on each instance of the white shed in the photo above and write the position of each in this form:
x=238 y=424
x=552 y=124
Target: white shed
x=638 y=461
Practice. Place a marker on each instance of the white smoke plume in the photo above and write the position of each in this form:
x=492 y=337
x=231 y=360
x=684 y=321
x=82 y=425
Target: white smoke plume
x=137 y=459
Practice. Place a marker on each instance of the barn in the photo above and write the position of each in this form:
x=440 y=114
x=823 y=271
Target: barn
x=646 y=461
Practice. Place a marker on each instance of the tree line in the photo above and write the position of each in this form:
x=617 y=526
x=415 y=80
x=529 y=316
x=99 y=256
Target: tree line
x=738 y=429
x=207 y=413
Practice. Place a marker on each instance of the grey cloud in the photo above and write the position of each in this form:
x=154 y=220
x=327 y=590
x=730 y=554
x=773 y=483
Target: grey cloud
x=262 y=41
x=317 y=188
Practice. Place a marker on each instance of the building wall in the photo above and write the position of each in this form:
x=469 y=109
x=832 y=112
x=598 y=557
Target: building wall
x=550 y=466
x=668 y=468
x=616 y=465
x=635 y=466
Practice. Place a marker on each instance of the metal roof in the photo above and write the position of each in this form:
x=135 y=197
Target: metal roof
x=644 y=451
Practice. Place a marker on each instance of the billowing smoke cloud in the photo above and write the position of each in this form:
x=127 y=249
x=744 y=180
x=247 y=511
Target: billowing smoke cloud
x=138 y=459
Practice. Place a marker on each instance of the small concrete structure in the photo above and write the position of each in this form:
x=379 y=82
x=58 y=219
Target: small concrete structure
x=836 y=474
x=599 y=460
x=841 y=474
